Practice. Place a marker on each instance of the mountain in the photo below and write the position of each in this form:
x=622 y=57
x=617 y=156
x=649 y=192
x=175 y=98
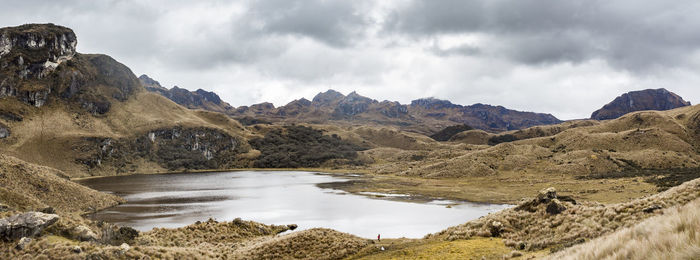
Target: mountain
x=649 y=99
x=199 y=99
x=87 y=114
x=426 y=116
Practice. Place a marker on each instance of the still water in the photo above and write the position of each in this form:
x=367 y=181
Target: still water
x=275 y=197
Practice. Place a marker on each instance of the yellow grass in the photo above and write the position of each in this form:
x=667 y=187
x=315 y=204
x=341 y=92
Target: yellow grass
x=673 y=235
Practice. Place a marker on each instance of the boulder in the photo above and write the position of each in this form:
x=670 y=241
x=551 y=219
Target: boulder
x=545 y=196
x=77 y=249
x=84 y=233
x=496 y=228
x=652 y=208
x=4 y=131
x=4 y=207
x=23 y=243
x=25 y=225
x=555 y=207
x=47 y=210
x=124 y=247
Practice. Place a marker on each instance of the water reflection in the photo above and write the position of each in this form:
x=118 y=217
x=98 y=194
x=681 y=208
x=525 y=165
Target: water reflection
x=284 y=197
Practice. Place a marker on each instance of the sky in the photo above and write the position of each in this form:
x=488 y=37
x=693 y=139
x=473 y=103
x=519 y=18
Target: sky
x=563 y=57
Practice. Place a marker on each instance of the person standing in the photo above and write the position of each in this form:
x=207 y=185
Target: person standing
x=379 y=237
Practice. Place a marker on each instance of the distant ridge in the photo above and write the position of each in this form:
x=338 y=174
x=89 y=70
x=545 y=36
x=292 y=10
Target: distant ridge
x=426 y=115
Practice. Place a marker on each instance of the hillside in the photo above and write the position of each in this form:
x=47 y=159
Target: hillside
x=87 y=114
x=648 y=99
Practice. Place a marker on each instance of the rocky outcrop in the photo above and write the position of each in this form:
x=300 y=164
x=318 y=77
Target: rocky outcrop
x=4 y=131
x=151 y=84
x=649 y=99
x=172 y=148
x=328 y=98
x=35 y=50
x=39 y=62
x=433 y=104
x=199 y=99
x=23 y=242
x=25 y=225
x=352 y=105
x=83 y=233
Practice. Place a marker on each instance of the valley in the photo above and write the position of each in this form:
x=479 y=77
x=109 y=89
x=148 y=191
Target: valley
x=73 y=124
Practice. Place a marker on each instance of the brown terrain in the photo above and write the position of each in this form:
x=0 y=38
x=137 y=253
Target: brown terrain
x=67 y=115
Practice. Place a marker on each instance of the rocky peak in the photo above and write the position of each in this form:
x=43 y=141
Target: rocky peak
x=353 y=97
x=432 y=103
x=209 y=96
x=263 y=107
x=327 y=98
x=149 y=83
x=34 y=50
x=199 y=99
x=649 y=99
x=352 y=105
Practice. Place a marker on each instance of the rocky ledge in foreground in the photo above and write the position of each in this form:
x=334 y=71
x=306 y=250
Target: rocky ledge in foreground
x=27 y=224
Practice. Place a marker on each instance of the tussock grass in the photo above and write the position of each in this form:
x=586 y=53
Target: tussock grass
x=536 y=229
x=211 y=231
x=26 y=186
x=673 y=235
x=318 y=243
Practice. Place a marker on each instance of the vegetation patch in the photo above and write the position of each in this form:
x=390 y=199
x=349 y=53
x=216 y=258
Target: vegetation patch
x=301 y=146
x=447 y=133
x=662 y=178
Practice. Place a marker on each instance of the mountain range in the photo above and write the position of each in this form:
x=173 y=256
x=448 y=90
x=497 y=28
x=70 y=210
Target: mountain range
x=425 y=115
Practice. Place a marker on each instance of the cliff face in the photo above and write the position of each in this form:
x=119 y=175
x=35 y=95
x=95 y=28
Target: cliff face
x=38 y=62
x=649 y=99
x=33 y=51
x=199 y=99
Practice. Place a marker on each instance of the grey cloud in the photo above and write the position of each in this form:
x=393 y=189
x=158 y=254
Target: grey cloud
x=463 y=50
x=337 y=23
x=630 y=35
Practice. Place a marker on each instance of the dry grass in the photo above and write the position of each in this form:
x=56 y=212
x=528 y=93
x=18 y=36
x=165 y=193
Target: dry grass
x=318 y=243
x=48 y=136
x=213 y=232
x=673 y=235
x=476 y=248
x=536 y=229
x=25 y=186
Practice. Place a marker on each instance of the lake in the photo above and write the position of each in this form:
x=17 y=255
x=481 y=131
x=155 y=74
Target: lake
x=275 y=197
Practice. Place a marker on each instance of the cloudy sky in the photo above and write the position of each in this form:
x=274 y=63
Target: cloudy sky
x=562 y=57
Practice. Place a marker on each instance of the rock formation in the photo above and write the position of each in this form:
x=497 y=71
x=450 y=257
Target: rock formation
x=25 y=225
x=199 y=99
x=649 y=99
x=39 y=62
